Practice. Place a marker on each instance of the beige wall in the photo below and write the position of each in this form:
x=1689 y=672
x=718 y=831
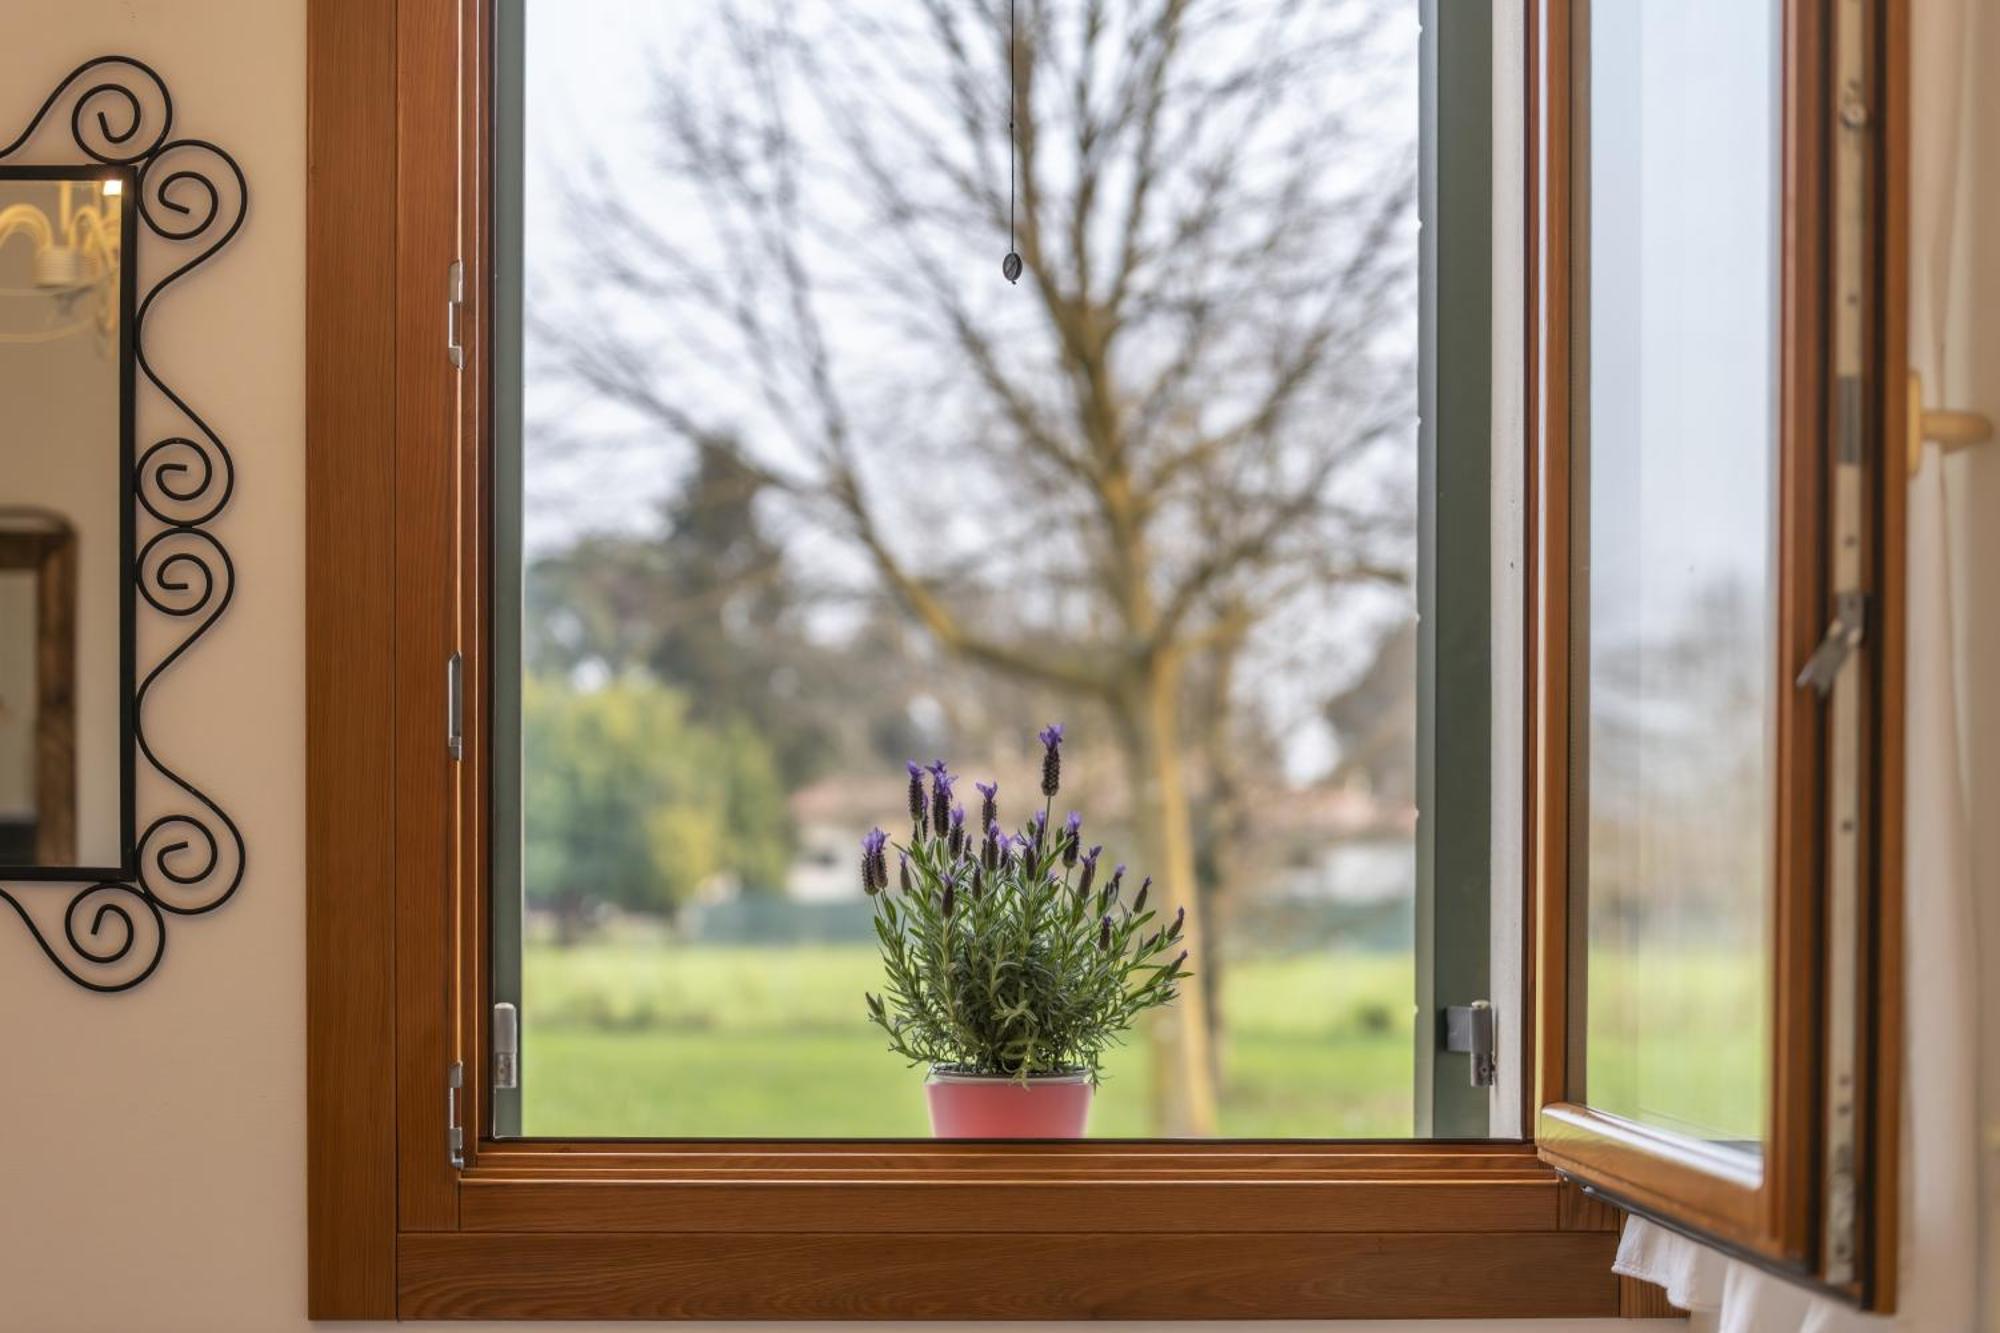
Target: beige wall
x=152 y=1145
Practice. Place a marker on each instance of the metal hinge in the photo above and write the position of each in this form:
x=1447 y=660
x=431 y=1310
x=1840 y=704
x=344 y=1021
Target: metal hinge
x=454 y=312
x=506 y=1047
x=1843 y=636
x=454 y=1131
x=454 y=706
x=1469 y=1030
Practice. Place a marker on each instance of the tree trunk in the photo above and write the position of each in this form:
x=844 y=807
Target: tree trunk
x=1183 y=1091
x=1224 y=827
x=1210 y=866
x=570 y=908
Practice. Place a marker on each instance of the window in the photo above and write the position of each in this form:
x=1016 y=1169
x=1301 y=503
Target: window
x=434 y=1195
x=1719 y=625
x=793 y=487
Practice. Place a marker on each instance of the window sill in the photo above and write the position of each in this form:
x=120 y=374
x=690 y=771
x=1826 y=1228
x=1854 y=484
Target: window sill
x=955 y=1231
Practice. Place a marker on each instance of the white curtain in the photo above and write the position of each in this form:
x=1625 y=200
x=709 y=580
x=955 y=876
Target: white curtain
x=1944 y=1158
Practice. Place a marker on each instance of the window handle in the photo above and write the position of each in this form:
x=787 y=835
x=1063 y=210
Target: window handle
x=1843 y=636
x=454 y=309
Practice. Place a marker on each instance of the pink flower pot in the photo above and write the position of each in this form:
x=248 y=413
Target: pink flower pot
x=993 y=1106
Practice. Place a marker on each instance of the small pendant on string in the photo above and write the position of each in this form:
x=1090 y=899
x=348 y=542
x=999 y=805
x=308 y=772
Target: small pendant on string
x=1010 y=267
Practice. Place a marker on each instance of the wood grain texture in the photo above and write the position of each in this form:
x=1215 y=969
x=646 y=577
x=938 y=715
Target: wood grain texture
x=1799 y=794
x=1548 y=554
x=1653 y=1169
x=1579 y=1211
x=1409 y=1159
x=1643 y=1300
x=471 y=902
x=426 y=605
x=1131 y=1207
x=350 y=1141
x=958 y=1275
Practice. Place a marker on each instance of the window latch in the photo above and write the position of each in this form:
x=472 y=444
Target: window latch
x=1468 y=1030
x=454 y=1145
x=1843 y=636
x=506 y=1047
x=454 y=706
x=454 y=312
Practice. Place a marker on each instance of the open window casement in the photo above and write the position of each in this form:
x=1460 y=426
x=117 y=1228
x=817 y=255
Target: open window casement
x=1717 y=237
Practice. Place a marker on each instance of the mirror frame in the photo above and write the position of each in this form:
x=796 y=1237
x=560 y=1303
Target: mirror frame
x=106 y=929
x=128 y=286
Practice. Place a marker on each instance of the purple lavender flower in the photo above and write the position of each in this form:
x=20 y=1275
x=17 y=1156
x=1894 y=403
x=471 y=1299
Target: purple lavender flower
x=874 y=862
x=941 y=780
x=954 y=841
x=1180 y=919
x=1089 y=871
x=1139 y=898
x=989 y=803
x=916 y=795
x=903 y=871
x=1104 y=932
x=950 y=896
x=1051 y=738
x=1038 y=824
x=1111 y=887
x=990 y=854
x=1072 y=839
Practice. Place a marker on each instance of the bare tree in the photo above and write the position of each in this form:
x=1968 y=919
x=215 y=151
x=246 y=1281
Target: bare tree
x=1177 y=428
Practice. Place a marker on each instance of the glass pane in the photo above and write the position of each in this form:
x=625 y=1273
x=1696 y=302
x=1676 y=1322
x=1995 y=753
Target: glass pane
x=809 y=490
x=1683 y=372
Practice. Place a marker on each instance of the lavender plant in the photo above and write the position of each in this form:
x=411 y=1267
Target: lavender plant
x=1004 y=953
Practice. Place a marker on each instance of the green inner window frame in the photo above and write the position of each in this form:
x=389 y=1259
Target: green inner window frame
x=1455 y=884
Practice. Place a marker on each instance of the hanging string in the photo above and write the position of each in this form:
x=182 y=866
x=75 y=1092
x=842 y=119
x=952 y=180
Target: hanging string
x=1011 y=265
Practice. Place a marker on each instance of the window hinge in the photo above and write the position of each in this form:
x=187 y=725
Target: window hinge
x=454 y=312
x=1843 y=636
x=1468 y=1030
x=454 y=1131
x=506 y=1047
x=454 y=706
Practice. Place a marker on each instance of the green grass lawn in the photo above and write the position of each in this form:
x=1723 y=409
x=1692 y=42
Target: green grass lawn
x=627 y=1038
x=1677 y=1040
x=633 y=1038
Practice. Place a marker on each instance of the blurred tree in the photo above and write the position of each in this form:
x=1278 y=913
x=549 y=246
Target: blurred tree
x=1375 y=718
x=631 y=802
x=703 y=602
x=1192 y=418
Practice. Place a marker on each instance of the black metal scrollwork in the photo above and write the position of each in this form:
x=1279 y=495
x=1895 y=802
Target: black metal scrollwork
x=192 y=196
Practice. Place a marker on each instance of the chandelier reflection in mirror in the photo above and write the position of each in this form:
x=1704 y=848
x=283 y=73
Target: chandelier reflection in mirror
x=76 y=253
x=126 y=484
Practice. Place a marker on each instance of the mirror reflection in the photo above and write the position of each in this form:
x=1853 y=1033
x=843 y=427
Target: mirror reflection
x=64 y=381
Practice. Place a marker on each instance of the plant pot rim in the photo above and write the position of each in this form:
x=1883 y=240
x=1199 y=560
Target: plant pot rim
x=946 y=1074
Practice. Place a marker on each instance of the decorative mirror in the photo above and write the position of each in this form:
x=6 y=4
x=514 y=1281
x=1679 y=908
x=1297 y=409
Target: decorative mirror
x=110 y=480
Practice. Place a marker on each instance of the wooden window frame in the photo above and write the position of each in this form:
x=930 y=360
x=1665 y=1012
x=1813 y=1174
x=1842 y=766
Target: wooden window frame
x=1773 y=1217
x=396 y=994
